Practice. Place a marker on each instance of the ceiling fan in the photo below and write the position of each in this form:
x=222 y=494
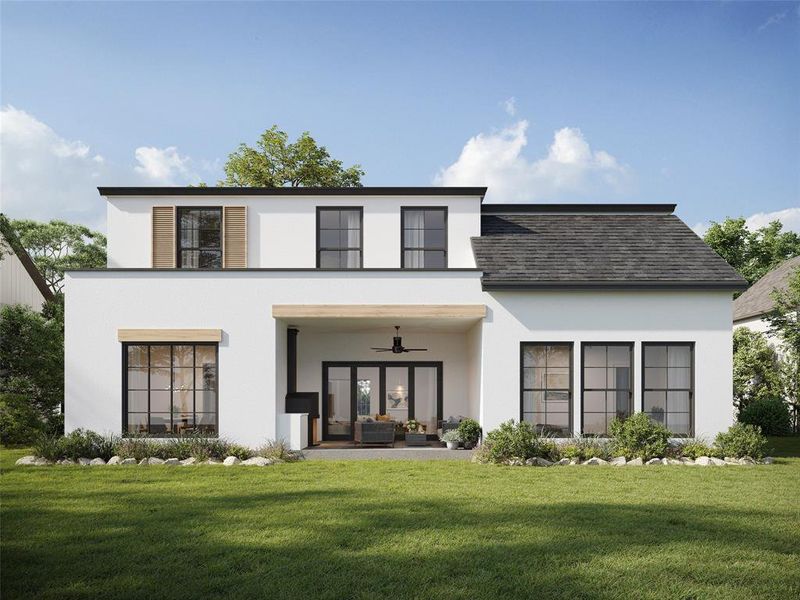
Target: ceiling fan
x=397 y=345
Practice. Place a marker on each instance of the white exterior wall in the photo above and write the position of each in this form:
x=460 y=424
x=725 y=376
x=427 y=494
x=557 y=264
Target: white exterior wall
x=252 y=364
x=282 y=230
x=16 y=285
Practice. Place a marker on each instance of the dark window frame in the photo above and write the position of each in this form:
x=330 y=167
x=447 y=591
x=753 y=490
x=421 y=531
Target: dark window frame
x=403 y=247
x=125 y=345
x=691 y=390
x=178 y=239
x=320 y=249
x=523 y=389
x=584 y=389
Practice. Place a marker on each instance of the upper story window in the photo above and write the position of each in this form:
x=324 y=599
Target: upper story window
x=424 y=238
x=339 y=238
x=199 y=238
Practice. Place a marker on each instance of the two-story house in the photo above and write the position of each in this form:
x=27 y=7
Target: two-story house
x=223 y=310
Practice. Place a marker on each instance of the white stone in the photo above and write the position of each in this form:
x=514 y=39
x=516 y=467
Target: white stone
x=257 y=461
x=128 y=461
x=746 y=460
x=619 y=461
x=188 y=461
x=654 y=461
x=636 y=462
x=768 y=460
x=212 y=461
x=155 y=461
x=686 y=460
x=143 y=461
x=84 y=461
x=114 y=460
x=172 y=461
x=96 y=462
x=731 y=460
x=26 y=460
x=672 y=461
x=703 y=461
x=718 y=462
x=42 y=462
x=574 y=461
x=66 y=461
x=596 y=461
x=231 y=460
x=563 y=461
x=531 y=462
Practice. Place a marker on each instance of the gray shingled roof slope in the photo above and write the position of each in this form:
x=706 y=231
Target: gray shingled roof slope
x=636 y=250
x=757 y=300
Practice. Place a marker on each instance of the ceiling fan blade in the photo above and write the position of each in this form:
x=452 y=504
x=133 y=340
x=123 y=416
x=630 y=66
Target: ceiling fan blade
x=415 y=349
x=381 y=349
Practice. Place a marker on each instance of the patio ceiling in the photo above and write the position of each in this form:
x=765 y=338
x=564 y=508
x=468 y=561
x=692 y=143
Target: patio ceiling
x=377 y=317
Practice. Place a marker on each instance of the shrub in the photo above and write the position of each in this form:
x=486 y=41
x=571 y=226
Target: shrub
x=19 y=421
x=770 y=414
x=80 y=444
x=584 y=448
x=450 y=436
x=638 y=436
x=135 y=446
x=470 y=430
x=278 y=450
x=512 y=441
x=49 y=447
x=240 y=452
x=696 y=449
x=741 y=440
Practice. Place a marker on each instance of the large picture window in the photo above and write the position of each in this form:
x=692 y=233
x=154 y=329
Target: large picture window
x=170 y=389
x=547 y=387
x=200 y=238
x=339 y=238
x=424 y=238
x=668 y=385
x=607 y=385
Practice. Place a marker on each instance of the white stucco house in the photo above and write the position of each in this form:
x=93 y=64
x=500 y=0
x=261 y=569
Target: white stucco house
x=255 y=313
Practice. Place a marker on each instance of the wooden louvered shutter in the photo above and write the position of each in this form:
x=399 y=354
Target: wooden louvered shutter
x=164 y=237
x=234 y=237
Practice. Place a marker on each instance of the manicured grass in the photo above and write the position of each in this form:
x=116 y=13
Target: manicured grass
x=365 y=529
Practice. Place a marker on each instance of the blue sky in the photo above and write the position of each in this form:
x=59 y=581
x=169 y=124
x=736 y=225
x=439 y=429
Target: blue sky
x=693 y=103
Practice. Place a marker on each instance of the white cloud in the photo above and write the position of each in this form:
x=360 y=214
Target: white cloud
x=510 y=106
x=570 y=166
x=773 y=20
x=789 y=217
x=44 y=175
x=163 y=166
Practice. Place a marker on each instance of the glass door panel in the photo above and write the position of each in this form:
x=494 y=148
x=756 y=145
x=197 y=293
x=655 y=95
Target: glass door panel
x=425 y=398
x=339 y=413
x=368 y=392
x=397 y=393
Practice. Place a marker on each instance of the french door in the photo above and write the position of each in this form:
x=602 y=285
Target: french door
x=397 y=390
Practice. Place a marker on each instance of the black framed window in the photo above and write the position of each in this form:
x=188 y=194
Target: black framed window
x=668 y=385
x=339 y=237
x=424 y=238
x=170 y=389
x=546 y=385
x=199 y=237
x=607 y=385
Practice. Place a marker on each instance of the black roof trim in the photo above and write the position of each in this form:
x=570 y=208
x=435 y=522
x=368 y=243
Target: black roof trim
x=292 y=191
x=612 y=285
x=38 y=279
x=504 y=209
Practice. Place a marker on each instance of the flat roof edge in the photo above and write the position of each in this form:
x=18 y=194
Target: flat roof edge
x=291 y=191
x=612 y=285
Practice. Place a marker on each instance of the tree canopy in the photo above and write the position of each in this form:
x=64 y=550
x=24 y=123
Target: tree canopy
x=276 y=162
x=752 y=253
x=57 y=246
x=755 y=368
x=784 y=321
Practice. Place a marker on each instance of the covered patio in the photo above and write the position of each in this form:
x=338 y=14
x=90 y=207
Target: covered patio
x=362 y=386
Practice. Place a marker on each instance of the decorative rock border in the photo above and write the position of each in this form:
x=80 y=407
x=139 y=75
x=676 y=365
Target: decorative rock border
x=621 y=461
x=256 y=461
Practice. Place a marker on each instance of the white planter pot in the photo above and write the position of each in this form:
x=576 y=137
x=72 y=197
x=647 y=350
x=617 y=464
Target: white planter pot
x=452 y=445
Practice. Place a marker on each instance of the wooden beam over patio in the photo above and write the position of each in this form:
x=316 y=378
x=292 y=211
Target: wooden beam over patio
x=372 y=311
x=169 y=335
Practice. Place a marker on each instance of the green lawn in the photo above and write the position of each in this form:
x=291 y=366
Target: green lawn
x=399 y=530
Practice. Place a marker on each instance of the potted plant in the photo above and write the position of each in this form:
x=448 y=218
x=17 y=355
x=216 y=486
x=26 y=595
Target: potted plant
x=413 y=426
x=470 y=431
x=415 y=434
x=452 y=438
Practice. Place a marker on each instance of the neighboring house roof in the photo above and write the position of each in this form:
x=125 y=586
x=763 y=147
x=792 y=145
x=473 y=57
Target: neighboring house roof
x=292 y=191
x=757 y=300
x=7 y=233
x=604 y=246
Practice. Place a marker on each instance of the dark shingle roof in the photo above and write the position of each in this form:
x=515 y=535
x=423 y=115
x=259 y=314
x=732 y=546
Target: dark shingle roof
x=639 y=250
x=757 y=300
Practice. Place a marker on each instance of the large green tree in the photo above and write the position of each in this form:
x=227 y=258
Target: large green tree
x=277 y=162
x=755 y=368
x=57 y=246
x=752 y=253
